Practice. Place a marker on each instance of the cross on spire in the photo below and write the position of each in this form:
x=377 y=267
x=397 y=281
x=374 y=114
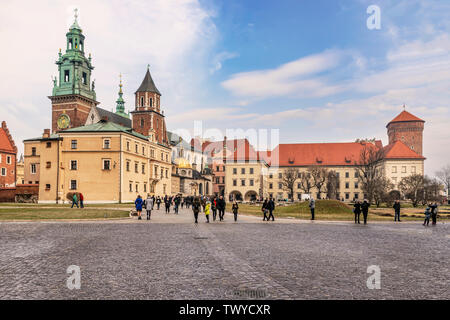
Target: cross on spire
x=75 y=13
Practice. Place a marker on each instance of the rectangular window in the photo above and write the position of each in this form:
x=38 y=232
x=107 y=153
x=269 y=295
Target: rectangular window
x=413 y=169
x=356 y=185
x=242 y=182
x=242 y=170
x=280 y=186
x=131 y=187
x=73 y=165
x=356 y=174
x=73 y=184
x=394 y=169
x=143 y=168
x=136 y=167
x=270 y=176
x=74 y=144
x=84 y=78
x=66 y=75
x=143 y=151
x=33 y=151
x=234 y=182
x=217 y=168
x=299 y=186
x=106 y=164
x=48 y=165
x=167 y=173
x=251 y=182
x=136 y=148
x=270 y=185
x=128 y=145
x=33 y=168
x=128 y=166
x=145 y=187
x=47 y=187
x=48 y=144
x=3 y=172
x=106 y=144
x=337 y=175
x=137 y=187
x=403 y=169
x=280 y=175
x=8 y=160
x=347 y=185
x=347 y=174
x=251 y=170
x=234 y=170
x=347 y=196
x=356 y=195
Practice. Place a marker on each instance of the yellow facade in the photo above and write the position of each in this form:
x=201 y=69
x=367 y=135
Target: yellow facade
x=246 y=180
x=103 y=166
x=395 y=170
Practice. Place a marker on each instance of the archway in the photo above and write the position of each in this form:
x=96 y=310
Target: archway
x=251 y=195
x=235 y=195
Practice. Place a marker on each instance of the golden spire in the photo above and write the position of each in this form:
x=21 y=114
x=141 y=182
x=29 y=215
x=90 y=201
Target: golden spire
x=120 y=84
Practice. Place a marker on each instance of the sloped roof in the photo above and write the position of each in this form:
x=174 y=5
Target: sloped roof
x=114 y=117
x=307 y=154
x=147 y=84
x=6 y=141
x=399 y=150
x=236 y=150
x=405 y=116
x=105 y=126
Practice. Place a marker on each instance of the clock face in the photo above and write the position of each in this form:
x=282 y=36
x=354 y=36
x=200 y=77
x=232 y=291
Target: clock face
x=63 y=121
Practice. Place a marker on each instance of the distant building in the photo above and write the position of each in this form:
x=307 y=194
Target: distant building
x=8 y=154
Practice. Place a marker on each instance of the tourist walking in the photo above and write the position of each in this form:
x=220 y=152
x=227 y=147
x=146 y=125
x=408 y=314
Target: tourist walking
x=81 y=201
x=148 y=206
x=312 y=207
x=427 y=216
x=196 y=208
x=221 y=207
x=271 y=207
x=434 y=212
x=167 y=203
x=214 y=208
x=365 y=210
x=357 y=210
x=74 y=200
x=235 y=209
x=207 y=210
x=138 y=203
x=396 y=207
x=176 y=202
x=158 y=202
x=265 y=209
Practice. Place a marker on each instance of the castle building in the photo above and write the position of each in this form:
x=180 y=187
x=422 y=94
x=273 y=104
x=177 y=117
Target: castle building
x=105 y=155
x=8 y=154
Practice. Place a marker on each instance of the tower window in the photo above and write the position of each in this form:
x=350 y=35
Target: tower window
x=142 y=101
x=151 y=102
x=84 y=78
x=66 y=75
x=142 y=122
x=70 y=43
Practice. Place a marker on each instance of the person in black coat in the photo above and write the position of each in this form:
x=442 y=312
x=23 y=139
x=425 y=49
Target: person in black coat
x=167 y=203
x=434 y=212
x=196 y=208
x=265 y=209
x=365 y=210
x=357 y=210
x=396 y=207
x=271 y=208
x=235 y=209
x=221 y=207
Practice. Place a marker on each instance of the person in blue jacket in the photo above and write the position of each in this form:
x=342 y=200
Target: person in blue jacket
x=138 y=203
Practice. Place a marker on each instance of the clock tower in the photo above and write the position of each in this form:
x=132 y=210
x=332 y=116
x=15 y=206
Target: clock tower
x=73 y=93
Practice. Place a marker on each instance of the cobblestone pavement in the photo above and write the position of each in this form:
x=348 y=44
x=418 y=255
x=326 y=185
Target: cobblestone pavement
x=171 y=258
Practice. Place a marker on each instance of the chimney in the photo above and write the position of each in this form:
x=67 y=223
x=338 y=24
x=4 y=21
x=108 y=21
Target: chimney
x=46 y=133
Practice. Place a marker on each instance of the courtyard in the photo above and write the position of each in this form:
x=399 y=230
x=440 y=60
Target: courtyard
x=171 y=258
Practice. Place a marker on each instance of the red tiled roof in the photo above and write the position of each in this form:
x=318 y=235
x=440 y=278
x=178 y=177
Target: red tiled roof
x=406 y=116
x=399 y=150
x=6 y=141
x=236 y=150
x=328 y=154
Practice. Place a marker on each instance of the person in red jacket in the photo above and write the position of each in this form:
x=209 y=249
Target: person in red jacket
x=81 y=200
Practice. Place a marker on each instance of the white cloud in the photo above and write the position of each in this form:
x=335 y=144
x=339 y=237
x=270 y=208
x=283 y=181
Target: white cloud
x=220 y=58
x=293 y=78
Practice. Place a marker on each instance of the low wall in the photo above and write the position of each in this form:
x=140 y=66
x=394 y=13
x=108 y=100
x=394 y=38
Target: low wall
x=20 y=193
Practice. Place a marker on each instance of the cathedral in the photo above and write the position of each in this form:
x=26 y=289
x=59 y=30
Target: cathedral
x=107 y=156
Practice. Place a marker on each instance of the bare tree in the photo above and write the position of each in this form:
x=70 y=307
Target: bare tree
x=430 y=191
x=381 y=191
x=288 y=179
x=319 y=177
x=369 y=170
x=412 y=187
x=444 y=176
x=306 y=182
x=332 y=184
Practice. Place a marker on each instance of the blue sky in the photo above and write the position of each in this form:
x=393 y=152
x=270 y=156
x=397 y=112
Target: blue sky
x=311 y=69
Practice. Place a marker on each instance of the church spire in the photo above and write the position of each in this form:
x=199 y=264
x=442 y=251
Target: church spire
x=120 y=102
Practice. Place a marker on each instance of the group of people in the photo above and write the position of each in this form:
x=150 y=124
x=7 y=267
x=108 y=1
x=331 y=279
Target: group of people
x=78 y=198
x=214 y=205
x=362 y=207
x=431 y=212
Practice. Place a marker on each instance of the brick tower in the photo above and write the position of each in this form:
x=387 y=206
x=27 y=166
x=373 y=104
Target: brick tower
x=407 y=128
x=73 y=93
x=147 y=117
